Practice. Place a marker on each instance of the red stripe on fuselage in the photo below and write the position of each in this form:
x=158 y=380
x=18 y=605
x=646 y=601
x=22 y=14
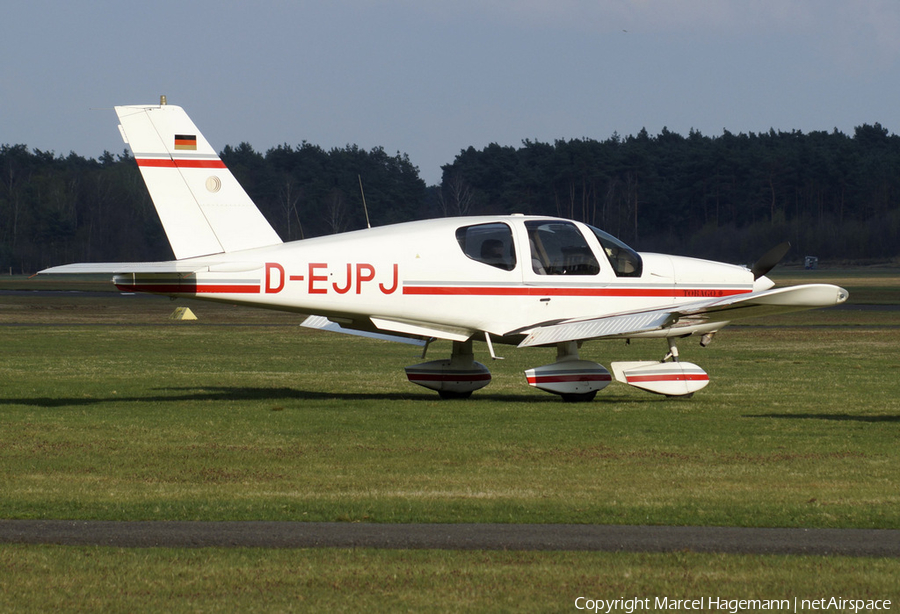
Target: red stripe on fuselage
x=536 y=291
x=189 y=288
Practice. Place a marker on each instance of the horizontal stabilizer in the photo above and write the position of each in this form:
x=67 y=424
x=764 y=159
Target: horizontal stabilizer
x=122 y=268
x=167 y=266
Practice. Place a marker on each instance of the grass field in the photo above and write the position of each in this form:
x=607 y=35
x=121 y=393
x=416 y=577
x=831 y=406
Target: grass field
x=109 y=410
x=48 y=578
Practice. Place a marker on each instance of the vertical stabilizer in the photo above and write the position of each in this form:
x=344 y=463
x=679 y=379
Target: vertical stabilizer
x=203 y=208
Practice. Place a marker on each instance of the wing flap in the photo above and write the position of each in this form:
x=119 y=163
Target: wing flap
x=698 y=313
x=323 y=323
x=597 y=328
x=423 y=329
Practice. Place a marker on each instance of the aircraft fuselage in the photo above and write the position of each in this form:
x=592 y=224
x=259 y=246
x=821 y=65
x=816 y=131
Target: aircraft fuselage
x=415 y=278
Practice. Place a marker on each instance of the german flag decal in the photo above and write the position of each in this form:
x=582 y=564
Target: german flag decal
x=186 y=141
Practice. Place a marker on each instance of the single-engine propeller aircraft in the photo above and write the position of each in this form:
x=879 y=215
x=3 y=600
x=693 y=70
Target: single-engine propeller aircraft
x=510 y=279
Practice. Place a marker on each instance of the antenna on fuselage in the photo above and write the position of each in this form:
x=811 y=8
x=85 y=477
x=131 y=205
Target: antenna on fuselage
x=363 y=194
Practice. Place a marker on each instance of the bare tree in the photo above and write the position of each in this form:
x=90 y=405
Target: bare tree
x=456 y=197
x=336 y=212
x=289 y=195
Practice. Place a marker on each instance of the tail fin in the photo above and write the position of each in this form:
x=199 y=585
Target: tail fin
x=203 y=209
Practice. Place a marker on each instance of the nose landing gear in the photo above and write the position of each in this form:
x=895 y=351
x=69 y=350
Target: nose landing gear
x=673 y=379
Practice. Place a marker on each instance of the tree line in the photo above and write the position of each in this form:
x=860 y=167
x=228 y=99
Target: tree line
x=56 y=210
x=728 y=197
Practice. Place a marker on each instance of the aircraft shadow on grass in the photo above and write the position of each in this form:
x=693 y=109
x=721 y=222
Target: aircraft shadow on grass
x=201 y=394
x=835 y=417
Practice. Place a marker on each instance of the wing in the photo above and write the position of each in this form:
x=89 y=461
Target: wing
x=689 y=315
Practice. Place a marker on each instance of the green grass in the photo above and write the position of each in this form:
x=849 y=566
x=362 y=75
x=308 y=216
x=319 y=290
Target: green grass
x=160 y=420
x=108 y=410
x=51 y=578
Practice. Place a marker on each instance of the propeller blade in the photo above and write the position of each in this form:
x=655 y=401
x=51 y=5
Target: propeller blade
x=768 y=260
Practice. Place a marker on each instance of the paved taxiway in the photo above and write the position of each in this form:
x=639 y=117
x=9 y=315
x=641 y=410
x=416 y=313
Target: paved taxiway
x=610 y=538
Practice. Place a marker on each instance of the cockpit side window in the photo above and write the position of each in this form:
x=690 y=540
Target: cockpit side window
x=625 y=261
x=559 y=248
x=490 y=244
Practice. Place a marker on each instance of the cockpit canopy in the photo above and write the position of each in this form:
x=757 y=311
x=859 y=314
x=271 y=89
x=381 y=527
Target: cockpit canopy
x=556 y=247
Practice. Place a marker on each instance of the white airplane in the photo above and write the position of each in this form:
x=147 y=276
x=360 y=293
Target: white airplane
x=511 y=279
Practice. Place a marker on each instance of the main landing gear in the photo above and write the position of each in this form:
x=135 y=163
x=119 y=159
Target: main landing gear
x=456 y=378
x=573 y=379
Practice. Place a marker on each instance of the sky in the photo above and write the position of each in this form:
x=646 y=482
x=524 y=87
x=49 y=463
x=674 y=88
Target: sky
x=429 y=78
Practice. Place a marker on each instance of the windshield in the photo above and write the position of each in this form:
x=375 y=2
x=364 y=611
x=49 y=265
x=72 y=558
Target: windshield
x=558 y=248
x=625 y=261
